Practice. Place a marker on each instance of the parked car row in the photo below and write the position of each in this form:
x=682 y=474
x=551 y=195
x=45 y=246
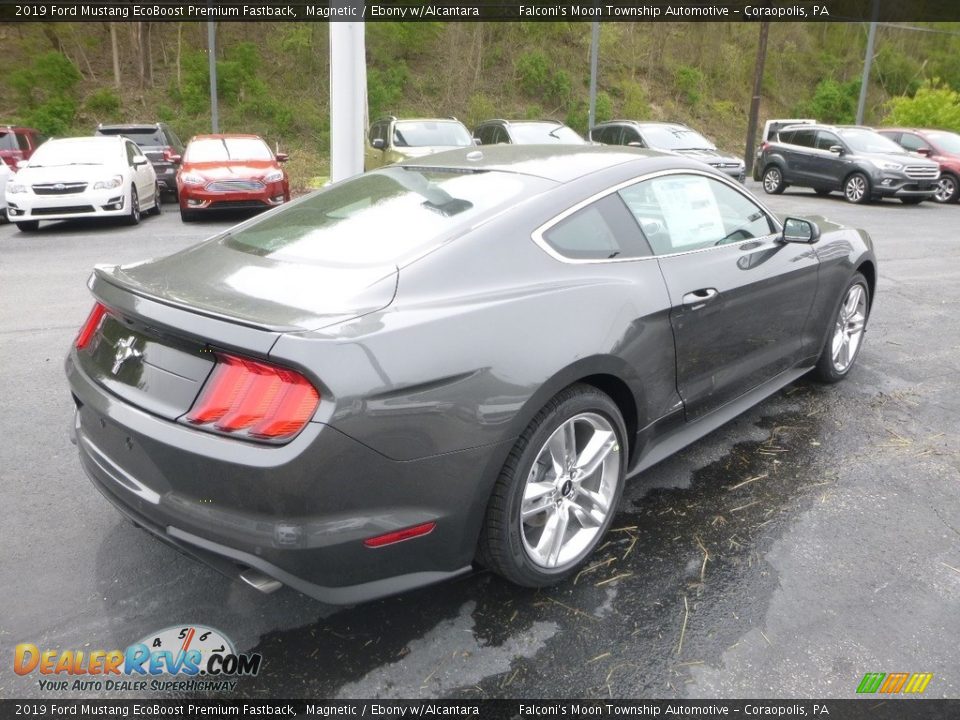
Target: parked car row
x=862 y=163
x=123 y=170
x=393 y=140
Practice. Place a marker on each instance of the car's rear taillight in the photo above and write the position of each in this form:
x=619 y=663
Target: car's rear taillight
x=254 y=399
x=168 y=153
x=764 y=145
x=90 y=327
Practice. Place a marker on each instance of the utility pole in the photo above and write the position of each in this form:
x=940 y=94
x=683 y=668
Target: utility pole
x=755 y=100
x=348 y=94
x=867 y=62
x=594 y=56
x=212 y=52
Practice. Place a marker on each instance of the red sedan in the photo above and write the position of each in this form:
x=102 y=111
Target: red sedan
x=230 y=172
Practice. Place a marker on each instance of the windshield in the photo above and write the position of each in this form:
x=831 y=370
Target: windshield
x=430 y=133
x=867 y=141
x=947 y=141
x=662 y=137
x=144 y=137
x=225 y=149
x=384 y=216
x=56 y=153
x=535 y=133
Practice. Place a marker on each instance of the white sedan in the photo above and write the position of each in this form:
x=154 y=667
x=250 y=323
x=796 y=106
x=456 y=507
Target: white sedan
x=5 y=175
x=82 y=178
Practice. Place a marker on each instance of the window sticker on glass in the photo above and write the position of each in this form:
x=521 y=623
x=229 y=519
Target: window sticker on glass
x=690 y=210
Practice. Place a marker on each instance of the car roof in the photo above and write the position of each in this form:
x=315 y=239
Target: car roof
x=102 y=139
x=545 y=121
x=644 y=123
x=560 y=163
x=129 y=126
x=225 y=136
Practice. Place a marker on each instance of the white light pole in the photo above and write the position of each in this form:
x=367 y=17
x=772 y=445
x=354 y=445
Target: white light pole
x=348 y=96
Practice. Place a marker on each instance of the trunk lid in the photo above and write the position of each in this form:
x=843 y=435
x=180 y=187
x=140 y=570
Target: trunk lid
x=257 y=290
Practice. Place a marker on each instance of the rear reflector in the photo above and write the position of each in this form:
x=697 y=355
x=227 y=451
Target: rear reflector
x=400 y=535
x=253 y=399
x=91 y=326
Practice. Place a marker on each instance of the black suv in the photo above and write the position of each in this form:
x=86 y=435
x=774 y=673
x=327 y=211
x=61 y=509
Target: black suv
x=159 y=144
x=674 y=138
x=861 y=163
x=525 y=132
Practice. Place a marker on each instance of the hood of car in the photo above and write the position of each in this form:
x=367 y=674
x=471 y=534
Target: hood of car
x=215 y=278
x=66 y=173
x=711 y=157
x=898 y=158
x=423 y=151
x=231 y=170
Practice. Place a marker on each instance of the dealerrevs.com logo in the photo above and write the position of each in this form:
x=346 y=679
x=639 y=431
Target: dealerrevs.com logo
x=187 y=658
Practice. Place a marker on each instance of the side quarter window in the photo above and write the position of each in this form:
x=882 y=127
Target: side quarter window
x=603 y=230
x=679 y=213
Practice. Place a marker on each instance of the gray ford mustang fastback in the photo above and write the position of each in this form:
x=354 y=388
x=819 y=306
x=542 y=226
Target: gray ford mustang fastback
x=454 y=361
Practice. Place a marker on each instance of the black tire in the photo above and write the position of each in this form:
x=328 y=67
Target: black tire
x=912 y=200
x=856 y=189
x=822 y=191
x=28 y=225
x=501 y=546
x=188 y=215
x=772 y=180
x=825 y=369
x=134 y=217
x=157 y=208
x=948 y=189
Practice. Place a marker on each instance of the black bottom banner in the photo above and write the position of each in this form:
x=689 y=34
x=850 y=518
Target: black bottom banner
x=874 y=708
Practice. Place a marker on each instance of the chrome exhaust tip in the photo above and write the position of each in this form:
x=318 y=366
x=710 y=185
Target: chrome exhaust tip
x=258 y=581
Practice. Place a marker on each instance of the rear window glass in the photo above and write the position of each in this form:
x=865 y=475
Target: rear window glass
x=383 y=217
x=544 y=133
x=144 y=137
x=8 y=141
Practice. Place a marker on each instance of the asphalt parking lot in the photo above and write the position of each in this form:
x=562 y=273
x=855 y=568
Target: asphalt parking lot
x=812 y=540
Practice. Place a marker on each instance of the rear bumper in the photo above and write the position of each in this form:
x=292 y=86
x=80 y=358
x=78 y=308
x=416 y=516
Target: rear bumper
x=298 y=513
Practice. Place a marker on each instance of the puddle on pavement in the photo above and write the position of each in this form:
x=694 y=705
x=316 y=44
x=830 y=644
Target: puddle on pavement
x=680 y=578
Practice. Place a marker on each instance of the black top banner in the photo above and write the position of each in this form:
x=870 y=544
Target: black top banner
x=481 y=10
x=872 y=708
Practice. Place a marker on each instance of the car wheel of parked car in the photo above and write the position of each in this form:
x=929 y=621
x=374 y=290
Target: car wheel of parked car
x=558 y=491
x=912 y=200
x=28 y=225
x=856 y=189
x=841 y=349
x=948 y=189
x=134 y=217
x=773 y=183
x=157 y=202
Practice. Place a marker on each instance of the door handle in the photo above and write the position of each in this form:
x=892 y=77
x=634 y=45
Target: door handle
x=698 y=298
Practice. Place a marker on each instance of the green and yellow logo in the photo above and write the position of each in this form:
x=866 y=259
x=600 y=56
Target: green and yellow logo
x=892 y=683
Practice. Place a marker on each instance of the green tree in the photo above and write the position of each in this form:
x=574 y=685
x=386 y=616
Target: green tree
x=935 y=105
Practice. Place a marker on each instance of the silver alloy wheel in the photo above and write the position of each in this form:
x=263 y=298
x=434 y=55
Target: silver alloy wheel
x=569 y=491
x=848 y=331
x=855 y=188
x=771 y=180
x=946 y=189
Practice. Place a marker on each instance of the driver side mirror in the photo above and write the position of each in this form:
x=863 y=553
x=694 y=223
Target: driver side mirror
x=378 y=144
x=837 y=149
x=139 y=161
x=924 y=151
x=797 y=230
x=282 y=157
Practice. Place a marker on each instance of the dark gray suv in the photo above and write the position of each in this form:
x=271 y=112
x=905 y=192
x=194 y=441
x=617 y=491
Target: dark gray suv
x=159 y=144
x=857 y=161
x=674 y=138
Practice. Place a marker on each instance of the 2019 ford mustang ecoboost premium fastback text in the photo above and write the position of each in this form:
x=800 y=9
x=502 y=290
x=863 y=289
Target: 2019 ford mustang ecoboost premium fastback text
x=454 y=360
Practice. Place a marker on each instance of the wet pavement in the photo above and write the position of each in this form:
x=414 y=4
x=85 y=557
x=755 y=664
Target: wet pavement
x=813 y=539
